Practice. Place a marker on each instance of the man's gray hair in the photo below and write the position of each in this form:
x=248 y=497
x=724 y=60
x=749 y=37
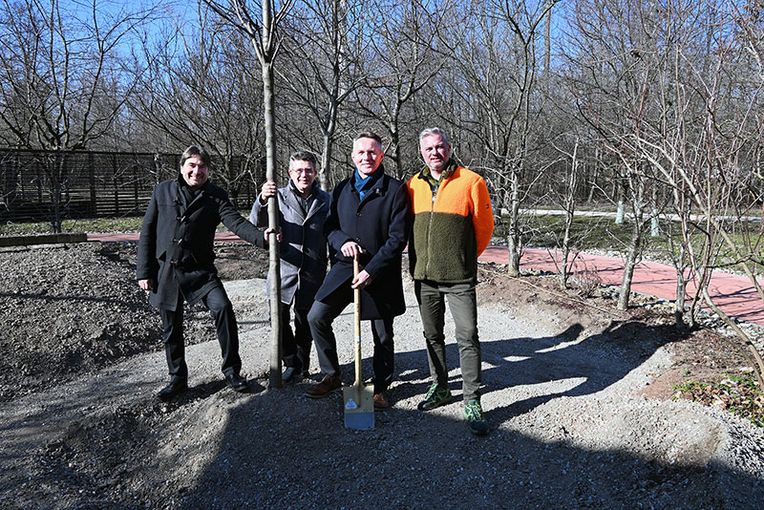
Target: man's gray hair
x=434 y=131
x=304 y=156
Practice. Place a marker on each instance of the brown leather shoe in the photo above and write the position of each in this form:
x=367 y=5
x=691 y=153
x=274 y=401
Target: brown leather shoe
x=380 y=402
x=327 y=385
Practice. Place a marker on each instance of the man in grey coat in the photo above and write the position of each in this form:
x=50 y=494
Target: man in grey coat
x=175 y=263
x=303 y=207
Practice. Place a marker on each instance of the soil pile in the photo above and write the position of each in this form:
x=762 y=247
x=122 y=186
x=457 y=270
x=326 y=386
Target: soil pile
x=69 y=309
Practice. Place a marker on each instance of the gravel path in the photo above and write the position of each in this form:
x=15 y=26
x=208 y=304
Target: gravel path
x=563 y=394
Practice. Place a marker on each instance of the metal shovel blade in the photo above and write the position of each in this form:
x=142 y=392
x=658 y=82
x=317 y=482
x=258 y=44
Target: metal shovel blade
x=359 y=407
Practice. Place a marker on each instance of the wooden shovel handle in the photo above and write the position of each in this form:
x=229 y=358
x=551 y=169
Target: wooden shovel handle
x=357 y=325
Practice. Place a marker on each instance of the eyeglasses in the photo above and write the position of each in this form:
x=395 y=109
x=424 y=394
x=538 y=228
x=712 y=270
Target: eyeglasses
x=306 y=171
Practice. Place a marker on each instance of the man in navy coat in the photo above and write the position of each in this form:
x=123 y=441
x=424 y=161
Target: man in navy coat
x=369 y=217
x=175 y=263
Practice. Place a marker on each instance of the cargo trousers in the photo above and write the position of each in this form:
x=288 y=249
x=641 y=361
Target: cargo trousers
x=431 y=297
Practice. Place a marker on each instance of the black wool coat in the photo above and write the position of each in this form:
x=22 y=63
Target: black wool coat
x=175 y=248
x=380 y=224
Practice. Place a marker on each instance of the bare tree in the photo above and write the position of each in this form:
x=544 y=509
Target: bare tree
x=264 y=35
x=667 y=89
x=566 y=198
x=498 y=61
x=321 y=70
x=60 y=87
x=614 y=65
x=199 y=86
x=402 y=58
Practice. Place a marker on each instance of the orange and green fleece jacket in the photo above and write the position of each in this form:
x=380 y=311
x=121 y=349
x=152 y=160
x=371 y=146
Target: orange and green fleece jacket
x=453 y=224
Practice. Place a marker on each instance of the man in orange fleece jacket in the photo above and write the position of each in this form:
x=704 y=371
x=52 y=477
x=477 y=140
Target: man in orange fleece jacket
x=452 y=225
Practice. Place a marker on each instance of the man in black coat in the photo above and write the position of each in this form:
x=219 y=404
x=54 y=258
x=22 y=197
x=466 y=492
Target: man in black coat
x=175 y=263
x=369 y=218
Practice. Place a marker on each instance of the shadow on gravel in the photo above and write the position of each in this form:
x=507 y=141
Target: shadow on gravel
x=279 y=449
x=413 y=459
x=597 y=361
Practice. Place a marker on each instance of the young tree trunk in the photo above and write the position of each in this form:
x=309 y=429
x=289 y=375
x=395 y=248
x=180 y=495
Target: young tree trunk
x=681 y=289
x=274 y=267
x=631 y=263
x=569 y=202
x=55 y=204
x=513 y=235
x=326 y=157
x=263 y=37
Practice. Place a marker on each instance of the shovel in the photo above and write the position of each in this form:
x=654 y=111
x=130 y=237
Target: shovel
x=359 y=398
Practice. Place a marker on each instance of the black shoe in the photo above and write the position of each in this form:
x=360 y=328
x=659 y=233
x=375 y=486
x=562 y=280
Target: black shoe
x=236 y=382
x=291 y=375
x=177 y=386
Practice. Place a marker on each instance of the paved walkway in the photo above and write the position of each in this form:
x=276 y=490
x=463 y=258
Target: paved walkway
x=734 y=294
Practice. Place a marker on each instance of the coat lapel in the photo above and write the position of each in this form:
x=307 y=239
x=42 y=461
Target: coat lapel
x=316 y=205
x=292 y=202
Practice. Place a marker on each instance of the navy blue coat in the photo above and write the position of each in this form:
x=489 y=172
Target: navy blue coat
x=175 y=248
x=380 y=224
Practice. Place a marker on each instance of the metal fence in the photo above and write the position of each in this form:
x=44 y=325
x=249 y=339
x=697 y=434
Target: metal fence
x=100 y=184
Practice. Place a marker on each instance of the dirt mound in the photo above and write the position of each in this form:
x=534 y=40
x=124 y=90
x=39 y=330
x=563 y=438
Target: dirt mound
x=70 y=309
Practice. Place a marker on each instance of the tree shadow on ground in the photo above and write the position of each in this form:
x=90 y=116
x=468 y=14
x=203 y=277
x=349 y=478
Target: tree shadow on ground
x=280 y=449
x=596 y=361
x=416 y=459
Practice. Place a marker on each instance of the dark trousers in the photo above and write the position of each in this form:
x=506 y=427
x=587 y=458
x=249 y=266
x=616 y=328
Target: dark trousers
x=320 y=319
x=462 y=302
x=295 y=346
x=220 y=308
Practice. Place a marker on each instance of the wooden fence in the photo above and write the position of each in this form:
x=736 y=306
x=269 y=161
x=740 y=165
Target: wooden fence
x=102 y=184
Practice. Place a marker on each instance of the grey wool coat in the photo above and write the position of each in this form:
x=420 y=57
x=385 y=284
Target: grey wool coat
x=302 y=249
x=175 y=248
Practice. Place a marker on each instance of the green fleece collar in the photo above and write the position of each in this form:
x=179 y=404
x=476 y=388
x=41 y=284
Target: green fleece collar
x=451 y=167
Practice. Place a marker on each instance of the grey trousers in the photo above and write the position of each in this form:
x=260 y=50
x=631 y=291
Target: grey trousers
x=295 y=345
x=462 y=302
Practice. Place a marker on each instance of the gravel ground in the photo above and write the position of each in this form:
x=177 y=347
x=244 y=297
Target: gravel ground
x=575 y=395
